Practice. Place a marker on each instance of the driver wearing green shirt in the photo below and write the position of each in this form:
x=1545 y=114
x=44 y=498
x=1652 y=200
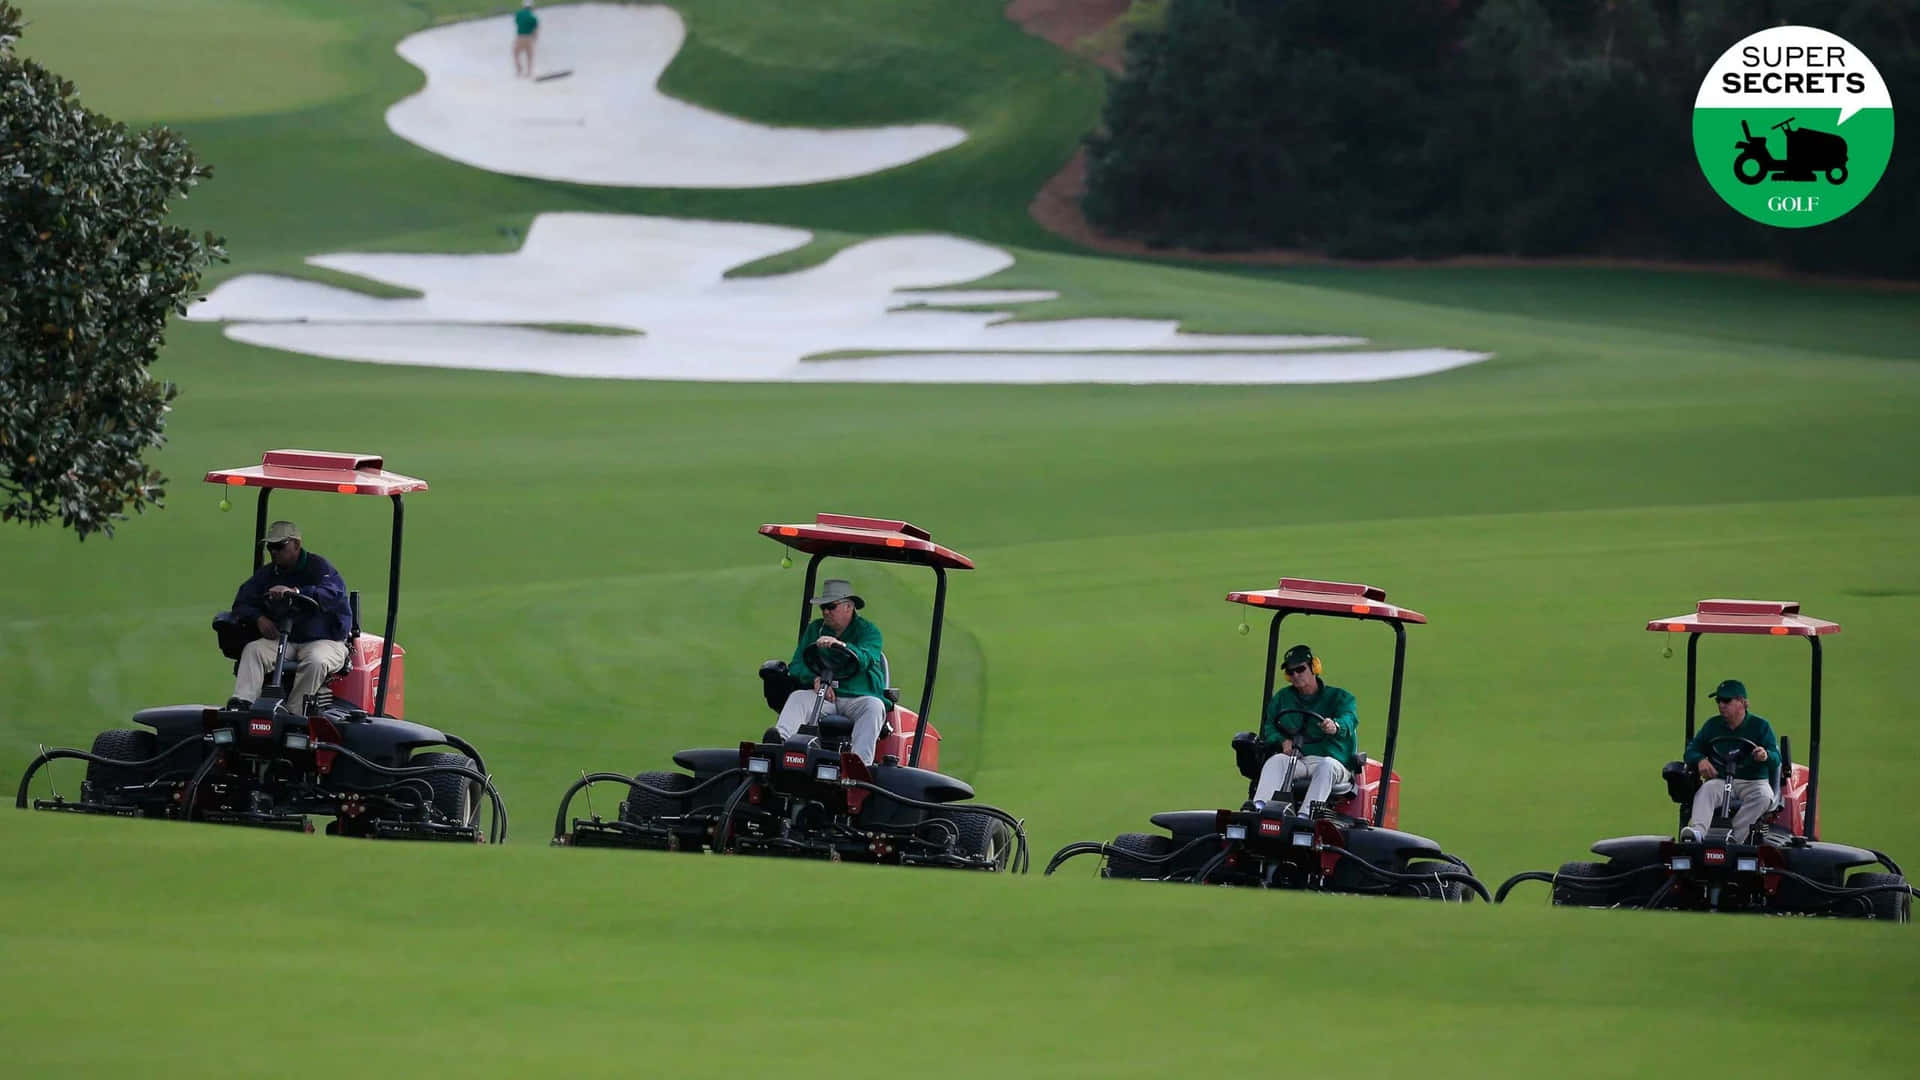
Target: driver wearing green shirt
x=858 y=697
x=1322 y=748
x=1751 y=784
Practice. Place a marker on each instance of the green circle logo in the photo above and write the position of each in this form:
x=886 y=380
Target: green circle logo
x=1793 y=126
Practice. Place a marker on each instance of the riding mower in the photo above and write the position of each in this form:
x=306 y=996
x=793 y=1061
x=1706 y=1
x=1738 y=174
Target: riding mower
x=809 y=795
x=1351 y=844
x=1782 y=866
x=271 y=763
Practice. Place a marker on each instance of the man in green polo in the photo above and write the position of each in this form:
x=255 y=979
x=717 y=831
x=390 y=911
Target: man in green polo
x=526 y=30
x=858 y=698
x=1751 y=785
x=1324 y=747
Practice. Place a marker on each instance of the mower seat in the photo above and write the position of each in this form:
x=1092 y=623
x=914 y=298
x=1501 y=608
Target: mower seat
x=1297 y=789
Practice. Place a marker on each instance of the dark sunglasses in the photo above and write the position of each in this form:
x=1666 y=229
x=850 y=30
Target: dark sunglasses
x=834 y=604
x=278 y=545
x=1296 y=669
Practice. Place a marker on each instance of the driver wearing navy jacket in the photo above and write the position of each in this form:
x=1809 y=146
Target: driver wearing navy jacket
x=319 y=635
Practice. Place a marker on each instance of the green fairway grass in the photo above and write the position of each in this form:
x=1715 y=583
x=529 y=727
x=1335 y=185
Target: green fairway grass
x=584 y=590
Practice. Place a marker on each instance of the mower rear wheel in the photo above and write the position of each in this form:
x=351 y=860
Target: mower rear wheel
x=121 y=746
x=1889 y=904
x=454 y=796
x=1151 y=845
x=1573 y=894
x=1438 y=889
x=644 y=806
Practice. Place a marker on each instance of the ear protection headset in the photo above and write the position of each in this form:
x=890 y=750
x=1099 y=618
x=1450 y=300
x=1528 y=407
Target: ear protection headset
x=1313 y=662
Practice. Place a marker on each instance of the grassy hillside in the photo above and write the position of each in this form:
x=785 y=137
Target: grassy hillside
x=584 y=590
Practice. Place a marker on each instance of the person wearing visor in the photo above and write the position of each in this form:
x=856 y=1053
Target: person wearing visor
x=319 y=634
x=1323 y=749
x=857 y=698
x=1752 y=779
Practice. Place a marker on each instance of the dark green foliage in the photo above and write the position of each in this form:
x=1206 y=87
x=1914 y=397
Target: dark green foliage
x=89 y=271
x=1377 y=128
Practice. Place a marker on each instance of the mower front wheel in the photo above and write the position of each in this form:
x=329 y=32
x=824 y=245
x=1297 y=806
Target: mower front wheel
x=121 y=746
x=1435 y=888
x=642 y=807
x=984 y=837
x=1150 y=845
x=454 y=796
x=1893 y=905
x=1573 y=886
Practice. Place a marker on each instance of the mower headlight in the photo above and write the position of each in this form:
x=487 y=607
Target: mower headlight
x=827 y=772
x=1746 y=864
x=1303 y=839
x=759 y=765
x=223 y=736
x=1236 y=832
x=298 y=741
x=1681 y=862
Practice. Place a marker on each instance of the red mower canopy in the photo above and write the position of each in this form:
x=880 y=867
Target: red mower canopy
x=1343 y=598
x=319 y=470
x=1780 y=618
x=846 y=536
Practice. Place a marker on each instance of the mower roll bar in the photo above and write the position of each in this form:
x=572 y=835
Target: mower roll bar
x=393 y=581
x=1393 y=700
x=933 y=640
x=1813 y=724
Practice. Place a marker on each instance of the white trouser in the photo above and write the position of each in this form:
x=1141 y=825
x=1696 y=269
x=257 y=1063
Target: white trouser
x=867 y=714
x=1756 y=796
x=315 y=659
x=1276 y=778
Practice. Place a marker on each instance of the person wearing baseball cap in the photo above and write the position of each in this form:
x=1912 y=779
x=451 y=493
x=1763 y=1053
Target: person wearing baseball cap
x=318 y=635
x=1751 y=785
x=1323 y=749
x=857 y=697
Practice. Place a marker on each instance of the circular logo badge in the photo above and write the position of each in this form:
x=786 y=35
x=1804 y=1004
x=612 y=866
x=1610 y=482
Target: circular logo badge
x=1793 y=126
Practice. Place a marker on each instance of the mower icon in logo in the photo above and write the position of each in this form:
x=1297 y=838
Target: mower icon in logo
x=1808 y=152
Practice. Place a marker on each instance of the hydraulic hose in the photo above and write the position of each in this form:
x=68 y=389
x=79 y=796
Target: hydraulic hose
x=560 y=816
x=62 y=752
x=1207 y=868
x=1089 y=847
x=1659 y=894
x=497 y=829
x=1395 y=875
x=1887 y=861
x=1019 y=863
x=1590 y=884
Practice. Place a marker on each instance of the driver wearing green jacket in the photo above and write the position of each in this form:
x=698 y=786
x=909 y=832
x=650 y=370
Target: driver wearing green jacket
x=858 y=697
x=1751 y=784
x=1322 y=749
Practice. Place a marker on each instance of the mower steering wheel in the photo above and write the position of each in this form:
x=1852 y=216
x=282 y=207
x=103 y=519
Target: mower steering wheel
x=1719 y=759
x=1784 y=123
x=835 y=662
x=1298 y=712
x=292 y=603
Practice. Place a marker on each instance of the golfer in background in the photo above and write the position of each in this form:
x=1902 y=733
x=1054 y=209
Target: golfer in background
x=526 y=27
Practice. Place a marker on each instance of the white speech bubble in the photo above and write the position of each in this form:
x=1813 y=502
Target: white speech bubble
x=1826 y=59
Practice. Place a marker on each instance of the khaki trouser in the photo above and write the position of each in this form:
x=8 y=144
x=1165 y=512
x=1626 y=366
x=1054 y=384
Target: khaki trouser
x=315 y=659
x=1276 y=778
x=1756 y=797
x=867 y=714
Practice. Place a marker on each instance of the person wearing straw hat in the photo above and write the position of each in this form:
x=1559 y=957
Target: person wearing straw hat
x=318 y=636
x=1751 y=782
x=1322 y=749
x=857 y=698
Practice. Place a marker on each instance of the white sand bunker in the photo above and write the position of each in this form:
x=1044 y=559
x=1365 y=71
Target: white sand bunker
x=861 y=315
x=607 y=123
